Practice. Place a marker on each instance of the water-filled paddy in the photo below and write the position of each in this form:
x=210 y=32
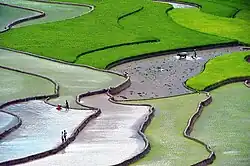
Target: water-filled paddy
x=168 y=145
x=225 y=125
x=15 y=85
x=106 y=140
x=10 y=14
x=54 y=12
x=7 y=121
x=40 y=130
x=72 y=80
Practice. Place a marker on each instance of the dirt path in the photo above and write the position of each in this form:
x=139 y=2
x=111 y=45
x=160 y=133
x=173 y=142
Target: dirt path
x=164 y=76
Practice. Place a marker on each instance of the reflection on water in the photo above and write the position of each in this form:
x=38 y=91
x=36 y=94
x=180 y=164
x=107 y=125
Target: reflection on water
x=40 y=130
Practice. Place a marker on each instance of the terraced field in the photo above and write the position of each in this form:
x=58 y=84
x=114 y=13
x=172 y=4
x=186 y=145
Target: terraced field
x=50 y=52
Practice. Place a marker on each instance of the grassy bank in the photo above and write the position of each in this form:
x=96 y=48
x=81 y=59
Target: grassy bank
x=228 y=27
x=221 y=68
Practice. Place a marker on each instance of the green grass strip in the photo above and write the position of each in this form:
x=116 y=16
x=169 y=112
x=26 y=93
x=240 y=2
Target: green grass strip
x=221 y=68
x=223 y=8
x=228 y=27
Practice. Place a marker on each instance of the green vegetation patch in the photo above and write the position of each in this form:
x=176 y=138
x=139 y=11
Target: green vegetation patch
x=243 y=14
x=228 y=27
x=165 y=132
x=223 y=8
x=225 y=125
x=221 y=68
x=98 y=29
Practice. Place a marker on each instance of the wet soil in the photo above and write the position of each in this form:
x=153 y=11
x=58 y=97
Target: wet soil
x=164 y=76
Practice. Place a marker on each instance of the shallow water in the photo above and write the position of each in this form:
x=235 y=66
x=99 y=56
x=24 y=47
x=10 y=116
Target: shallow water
x=15 y=85
x=225 y=125
x=7 y=121
x=72 y=80
x=40 y=130
x=54 y=12
x=107 y=140
x=10 y=14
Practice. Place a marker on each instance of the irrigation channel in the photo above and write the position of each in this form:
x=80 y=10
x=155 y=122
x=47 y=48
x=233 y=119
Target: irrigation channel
x=114 y=133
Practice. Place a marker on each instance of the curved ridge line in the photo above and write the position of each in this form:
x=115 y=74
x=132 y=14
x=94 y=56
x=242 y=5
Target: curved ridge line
x=115 y=46
x=189 y=128
x=126 y=15
x=42 y=14
x=78 y=128
x=180 y=2
x=141 y=130
x=16 y=126
x=20 y=20
x=201 y=105
x=165 y=52
x=56 y=94
x=92 y=7
x=234 y=15
x=143 y=126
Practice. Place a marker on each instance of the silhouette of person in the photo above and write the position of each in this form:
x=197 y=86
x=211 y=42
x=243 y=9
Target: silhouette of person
x=64 y=135
x=67 y=105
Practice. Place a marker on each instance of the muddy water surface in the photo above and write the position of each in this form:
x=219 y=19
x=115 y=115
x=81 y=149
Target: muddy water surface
x=164 y=75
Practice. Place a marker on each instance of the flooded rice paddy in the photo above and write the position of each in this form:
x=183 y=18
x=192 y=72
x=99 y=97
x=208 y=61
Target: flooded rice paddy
x=54 y=12
x=40 y=130
x=7 y=121
x=15 y=85
x=168 y=145
x=225 y=125
x=72 y=80
x=106 y=140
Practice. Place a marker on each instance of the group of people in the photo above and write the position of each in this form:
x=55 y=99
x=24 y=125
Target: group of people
x=183 y=55
x=64 y=136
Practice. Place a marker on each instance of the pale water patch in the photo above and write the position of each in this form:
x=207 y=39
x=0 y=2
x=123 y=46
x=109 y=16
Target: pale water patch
x=72 y=80
x=107 y=140
x=40 y=130
x=54 y=12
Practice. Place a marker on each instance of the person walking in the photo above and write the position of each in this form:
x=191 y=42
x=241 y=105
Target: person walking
x=67 y=105
x=195 y=53
x=64 y=135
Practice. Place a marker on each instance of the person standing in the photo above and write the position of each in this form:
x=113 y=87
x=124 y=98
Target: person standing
x=195 y=53
x=62 y=136
x=67 y=105
x=65 y=135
